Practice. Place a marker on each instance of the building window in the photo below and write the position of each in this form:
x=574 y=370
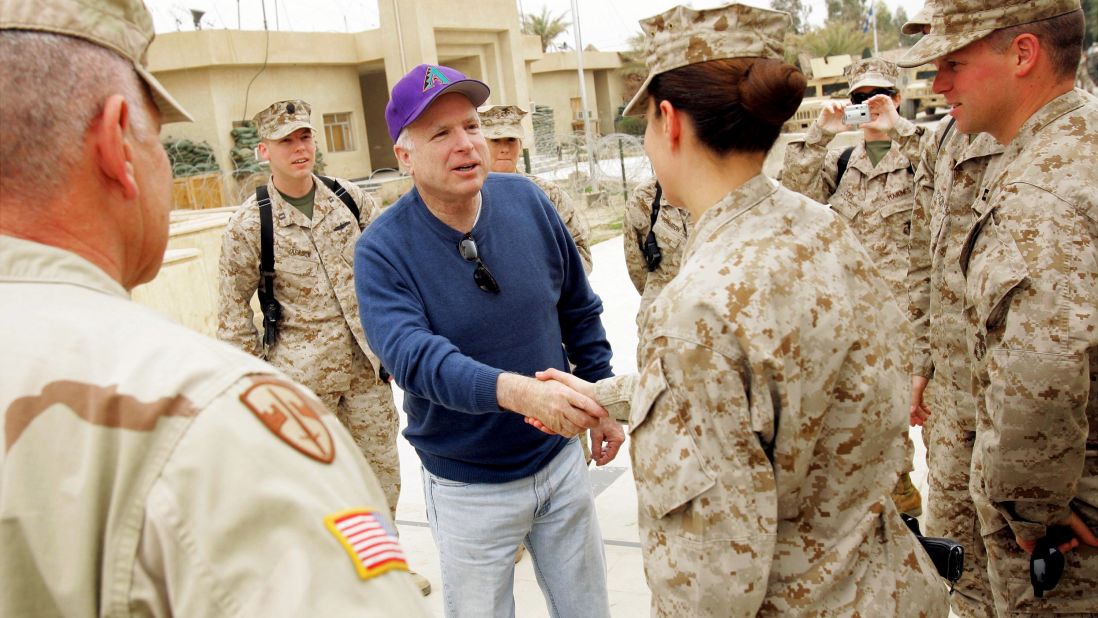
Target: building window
x=337 y=128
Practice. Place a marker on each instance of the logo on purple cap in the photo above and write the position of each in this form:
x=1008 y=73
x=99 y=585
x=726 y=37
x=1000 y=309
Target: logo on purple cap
x=434 y=77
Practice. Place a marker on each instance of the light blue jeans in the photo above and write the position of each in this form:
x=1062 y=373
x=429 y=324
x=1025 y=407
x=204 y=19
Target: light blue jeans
x=478 y=528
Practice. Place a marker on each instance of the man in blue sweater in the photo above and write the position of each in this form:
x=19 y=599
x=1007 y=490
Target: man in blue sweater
x=468 y=285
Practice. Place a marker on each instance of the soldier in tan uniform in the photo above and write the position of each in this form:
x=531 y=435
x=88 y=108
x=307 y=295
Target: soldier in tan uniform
x=147 y=470
x=947 y=182
x=502 y=127
x=671 y=230
x=875 y=192
x=320 y=342
x=1030 y=267
x=768 y=416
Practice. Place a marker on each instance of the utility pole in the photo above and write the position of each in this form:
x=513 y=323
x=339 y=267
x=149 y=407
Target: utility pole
x=591 y=163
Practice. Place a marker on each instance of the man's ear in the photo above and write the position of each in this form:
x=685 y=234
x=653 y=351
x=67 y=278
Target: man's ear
x=404 y=158
x=262 y=151
x=1026 y=48
x=114 y=153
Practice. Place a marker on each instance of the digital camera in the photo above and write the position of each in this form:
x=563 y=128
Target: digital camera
x=856 y=114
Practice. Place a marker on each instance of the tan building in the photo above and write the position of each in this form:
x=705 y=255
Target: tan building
x=224 y=77
x=556 y=84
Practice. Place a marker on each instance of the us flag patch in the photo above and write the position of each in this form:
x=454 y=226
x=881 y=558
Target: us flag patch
x=370 y=541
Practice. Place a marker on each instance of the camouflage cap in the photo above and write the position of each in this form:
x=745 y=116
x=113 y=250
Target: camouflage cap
x=921 y=19
x=961 y=22
x=122 y=26
x=502 y=121
x=873 y=72
x=683 y=36
x=283 y=118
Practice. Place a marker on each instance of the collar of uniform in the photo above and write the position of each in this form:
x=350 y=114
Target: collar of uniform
x=1054 y=109
x=738 y=201
x=33 y=262
x=983 y=145
x=893 y=160
x=326 y=201
x=285 y=214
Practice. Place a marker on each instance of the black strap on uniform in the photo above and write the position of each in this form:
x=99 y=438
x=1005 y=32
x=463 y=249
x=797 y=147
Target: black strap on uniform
x=272 y=310
x=945 y=134
x=651 y=249
x=844 y=161
x=342 y=194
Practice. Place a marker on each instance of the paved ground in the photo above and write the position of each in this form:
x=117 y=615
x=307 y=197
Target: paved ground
x=616 y=496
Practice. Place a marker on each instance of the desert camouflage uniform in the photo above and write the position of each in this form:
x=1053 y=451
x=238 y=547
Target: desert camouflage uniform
x=876 y=201
x=136 y=479
x=320 y=340
x=672 y=229
x=573 y=219
x=767 y=423
x=947 y=183
x=1031 y=297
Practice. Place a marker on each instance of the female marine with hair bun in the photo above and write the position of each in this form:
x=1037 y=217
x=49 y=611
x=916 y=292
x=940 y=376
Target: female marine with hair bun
x=768 y=415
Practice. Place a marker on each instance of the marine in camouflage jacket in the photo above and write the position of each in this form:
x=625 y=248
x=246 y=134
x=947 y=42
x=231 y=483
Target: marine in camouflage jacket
x=947 y=182
x=672 y=229
x=876 y=201
x=767 y=423
x=314 y=282
x=1031 y=297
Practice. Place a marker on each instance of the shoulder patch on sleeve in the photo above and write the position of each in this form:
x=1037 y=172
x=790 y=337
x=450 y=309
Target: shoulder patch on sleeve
x=290 y=416
x=369 y=540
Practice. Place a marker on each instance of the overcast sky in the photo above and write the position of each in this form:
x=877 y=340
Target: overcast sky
x=606 y=24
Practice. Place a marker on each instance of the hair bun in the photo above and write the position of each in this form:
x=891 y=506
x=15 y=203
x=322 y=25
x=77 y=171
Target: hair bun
x=771 y=90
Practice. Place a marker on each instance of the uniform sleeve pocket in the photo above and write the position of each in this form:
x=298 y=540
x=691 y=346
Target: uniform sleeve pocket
x=667 y=466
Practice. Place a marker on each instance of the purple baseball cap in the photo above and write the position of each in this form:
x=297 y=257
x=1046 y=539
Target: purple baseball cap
x=420 y=87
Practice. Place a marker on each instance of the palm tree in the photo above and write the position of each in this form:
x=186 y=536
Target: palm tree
x=545 y=26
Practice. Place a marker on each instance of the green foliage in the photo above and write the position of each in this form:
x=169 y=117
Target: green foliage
x=851 y=11
x=835 y=38
x=545 y=26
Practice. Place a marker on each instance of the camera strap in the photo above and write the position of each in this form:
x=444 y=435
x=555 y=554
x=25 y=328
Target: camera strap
x=651 y=248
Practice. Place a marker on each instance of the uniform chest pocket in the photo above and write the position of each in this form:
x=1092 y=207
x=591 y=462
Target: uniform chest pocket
x=846 y=203
x=996 y=269
x=295 y=276
x=896 y=216
x=667 y=465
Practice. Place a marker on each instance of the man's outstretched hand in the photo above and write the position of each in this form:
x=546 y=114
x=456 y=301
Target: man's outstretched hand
x=557 y=407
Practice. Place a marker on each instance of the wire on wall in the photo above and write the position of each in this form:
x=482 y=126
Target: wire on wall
x=266 y=53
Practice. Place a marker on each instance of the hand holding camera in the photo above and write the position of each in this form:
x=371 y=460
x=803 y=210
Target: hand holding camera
x=830 y=120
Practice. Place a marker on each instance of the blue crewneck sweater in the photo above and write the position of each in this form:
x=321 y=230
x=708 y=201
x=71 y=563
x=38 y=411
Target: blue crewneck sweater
x=445 y=341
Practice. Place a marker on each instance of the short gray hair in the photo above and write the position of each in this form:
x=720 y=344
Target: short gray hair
x=56 y=86
x=405 y=143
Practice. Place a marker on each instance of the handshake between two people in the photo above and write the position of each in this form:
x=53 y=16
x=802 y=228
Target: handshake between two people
x=559 y=403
